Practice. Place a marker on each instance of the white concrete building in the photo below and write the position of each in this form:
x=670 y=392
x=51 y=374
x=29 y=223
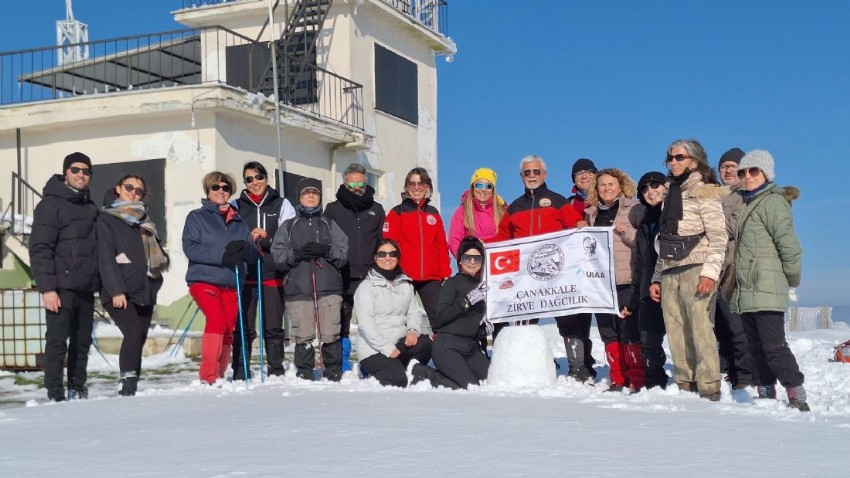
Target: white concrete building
x=174 y=106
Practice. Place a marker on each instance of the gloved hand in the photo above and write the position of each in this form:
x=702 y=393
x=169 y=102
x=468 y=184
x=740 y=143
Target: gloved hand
x=474 y=296
x=316 y=249
x=233 y=253
x=305 y=253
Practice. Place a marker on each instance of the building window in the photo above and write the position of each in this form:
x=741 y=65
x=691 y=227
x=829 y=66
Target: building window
x=396 y=85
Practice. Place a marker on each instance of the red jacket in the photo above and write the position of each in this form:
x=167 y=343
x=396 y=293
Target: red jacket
x=538 y=211
x=421 y=237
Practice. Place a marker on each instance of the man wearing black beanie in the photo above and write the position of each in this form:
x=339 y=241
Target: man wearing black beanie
x=63 y=256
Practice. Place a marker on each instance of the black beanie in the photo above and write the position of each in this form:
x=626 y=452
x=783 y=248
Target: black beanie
x=733 y=155
x=75 y=158
x=467 y=243
x=583 y=164
x=308 y=183
x=650 y=177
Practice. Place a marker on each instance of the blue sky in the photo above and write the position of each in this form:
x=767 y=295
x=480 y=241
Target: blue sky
x=614 y=81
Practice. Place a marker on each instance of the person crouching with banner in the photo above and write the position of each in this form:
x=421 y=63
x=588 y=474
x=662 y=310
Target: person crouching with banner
x=460 y=311
x=611 y=203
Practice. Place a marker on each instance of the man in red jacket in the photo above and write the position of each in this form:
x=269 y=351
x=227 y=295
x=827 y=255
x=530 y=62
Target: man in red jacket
x=537 y=211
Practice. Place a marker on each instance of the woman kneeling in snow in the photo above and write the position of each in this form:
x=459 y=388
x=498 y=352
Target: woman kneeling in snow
x=389 y=320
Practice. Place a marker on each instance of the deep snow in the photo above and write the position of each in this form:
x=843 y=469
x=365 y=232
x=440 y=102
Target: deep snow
x=176 y=427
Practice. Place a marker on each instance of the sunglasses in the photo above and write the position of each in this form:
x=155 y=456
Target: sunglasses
x=356 y=185
x=753 y=172
x=76 y=170
x=678 y=157
x=258 y=177
x=529 y=172
x=483 y=186
x=223 y=187
x=651 y=184
x=139 y=192
x=472 y=258
x=416 y=184
x=385 y=254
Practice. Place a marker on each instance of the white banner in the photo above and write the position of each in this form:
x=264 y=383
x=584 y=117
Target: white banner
x=560 y=273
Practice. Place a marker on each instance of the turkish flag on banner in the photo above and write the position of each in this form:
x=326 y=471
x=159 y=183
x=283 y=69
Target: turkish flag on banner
x=504 y=262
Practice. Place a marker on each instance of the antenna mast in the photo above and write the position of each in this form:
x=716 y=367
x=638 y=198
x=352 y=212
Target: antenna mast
x=70 y=34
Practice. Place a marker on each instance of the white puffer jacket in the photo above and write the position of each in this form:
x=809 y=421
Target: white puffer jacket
x=385 y=312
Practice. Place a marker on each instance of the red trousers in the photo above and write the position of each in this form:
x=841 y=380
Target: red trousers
x=220 y=307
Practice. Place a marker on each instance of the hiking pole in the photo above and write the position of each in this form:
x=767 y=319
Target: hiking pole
x=182 y=318
x=241 y=325
x=321 y=362
x=183 y=335
x=260 y=307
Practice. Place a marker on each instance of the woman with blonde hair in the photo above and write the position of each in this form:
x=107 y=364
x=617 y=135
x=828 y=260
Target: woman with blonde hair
x=479 y=212
x=611 y=202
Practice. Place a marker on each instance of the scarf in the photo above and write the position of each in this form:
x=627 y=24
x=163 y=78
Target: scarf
x=388 y=275
x=308 y=212
x=255 y=198
x=673 y=210
x=353 y=202
x=747 y=196
x=135 y=215
x=579 y=193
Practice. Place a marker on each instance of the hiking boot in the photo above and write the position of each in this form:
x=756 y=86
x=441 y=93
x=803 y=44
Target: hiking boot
x=714 y=397
x=766 y=392
x=78 y=392
x=615 y=388
x=54 y=396
x=129 y=384
x=688 y=386
x=797 y=398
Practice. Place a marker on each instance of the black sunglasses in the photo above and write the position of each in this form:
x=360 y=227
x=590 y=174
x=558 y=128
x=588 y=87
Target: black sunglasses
x=258 y=177
x=223 y=187
x=384 y=254
x=132 y=189
x=677 y=157
x=472 y=258
x=647 y=186
x=529 y=172
x=76 y=170
x=753 y=172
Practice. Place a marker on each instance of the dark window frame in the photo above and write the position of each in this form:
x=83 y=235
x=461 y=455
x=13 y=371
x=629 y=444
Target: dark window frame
x=396 y=85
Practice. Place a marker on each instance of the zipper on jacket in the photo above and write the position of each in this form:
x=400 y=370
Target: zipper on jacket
x=531 y=219
x=421 y=244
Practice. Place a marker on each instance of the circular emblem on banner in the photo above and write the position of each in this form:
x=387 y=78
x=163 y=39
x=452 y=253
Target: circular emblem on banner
x=545 y=262
x=431 y=220
x=545 y=202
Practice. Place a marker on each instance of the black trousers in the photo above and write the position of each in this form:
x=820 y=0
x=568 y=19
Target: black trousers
x=734 y=351
x=652 y=331
x=392 y=371
x=613 y=328
x=429 y=293
x=69 y=332
x=273 y=305
x=772 y=359
x=347 y=307
x=134 y=322
x=460 y=359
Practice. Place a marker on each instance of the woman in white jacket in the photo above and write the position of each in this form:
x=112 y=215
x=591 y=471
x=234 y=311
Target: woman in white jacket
x=389 y=320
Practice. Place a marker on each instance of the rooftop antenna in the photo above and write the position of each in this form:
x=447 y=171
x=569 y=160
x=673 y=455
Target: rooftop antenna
x=72 y=37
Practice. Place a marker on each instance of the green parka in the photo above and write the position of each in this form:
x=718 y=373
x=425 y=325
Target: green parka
x=768 y=256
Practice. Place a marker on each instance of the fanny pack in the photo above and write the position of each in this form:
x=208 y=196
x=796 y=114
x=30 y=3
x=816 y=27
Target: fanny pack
x=676 y=248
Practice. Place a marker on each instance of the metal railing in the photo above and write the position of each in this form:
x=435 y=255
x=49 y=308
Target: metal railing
x=812 y=318
x=210 y=55
x=204 y=3
x=434 y=14
x=17 y=215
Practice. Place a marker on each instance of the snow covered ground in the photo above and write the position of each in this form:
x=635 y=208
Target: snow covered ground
x=175 y=427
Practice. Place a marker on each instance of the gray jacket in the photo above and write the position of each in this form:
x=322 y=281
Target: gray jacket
x=385 y=312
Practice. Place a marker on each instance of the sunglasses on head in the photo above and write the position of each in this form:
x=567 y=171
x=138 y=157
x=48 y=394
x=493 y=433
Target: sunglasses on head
x=483 y=186
x=76 y=170
x=384 y=254
x=651 y=184
x=472 y=258
x=223 y=187
x=356 y=185
x=529 y=172
x=258 y=177
x=678 y=157
x=133 y=189
x=753 y=172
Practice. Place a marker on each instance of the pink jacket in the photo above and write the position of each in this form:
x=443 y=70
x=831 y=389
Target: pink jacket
x=485 y=227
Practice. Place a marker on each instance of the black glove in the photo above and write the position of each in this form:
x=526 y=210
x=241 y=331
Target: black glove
x=233 y=253
x=474 y=296
x=317 y=250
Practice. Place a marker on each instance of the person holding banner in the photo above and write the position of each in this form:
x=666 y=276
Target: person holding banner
x=651 y=191
x=691 y=247
x=460 y=313
x=538 y=211
x=263 y=210
x=611 y=203
x=479 y=212
x=418 y=230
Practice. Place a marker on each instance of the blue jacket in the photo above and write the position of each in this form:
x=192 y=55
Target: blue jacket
x=205 y=236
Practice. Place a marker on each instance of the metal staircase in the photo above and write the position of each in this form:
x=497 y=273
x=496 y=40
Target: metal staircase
x=16 y=220
x=296 y=54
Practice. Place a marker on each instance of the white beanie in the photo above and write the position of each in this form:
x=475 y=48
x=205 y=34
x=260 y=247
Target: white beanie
x=759 y=158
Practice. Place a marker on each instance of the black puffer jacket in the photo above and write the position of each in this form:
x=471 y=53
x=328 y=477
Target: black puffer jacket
x=301 y=276
x=63 y=245
x=645 y=256
x=362 y=220
x=271 y=211
x=451 y=318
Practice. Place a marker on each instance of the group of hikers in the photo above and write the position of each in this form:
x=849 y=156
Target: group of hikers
x=709 y=264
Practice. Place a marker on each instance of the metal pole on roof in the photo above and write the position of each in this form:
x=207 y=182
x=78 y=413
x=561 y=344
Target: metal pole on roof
x=273 y=44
